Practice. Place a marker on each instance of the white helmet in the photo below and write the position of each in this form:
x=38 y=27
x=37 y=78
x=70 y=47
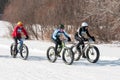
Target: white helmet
x=84 y=24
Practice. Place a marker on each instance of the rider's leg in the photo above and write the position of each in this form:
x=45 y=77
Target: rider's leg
x=57 y=42
x=78 y=46
x=83 y=45
x=56 y=46
x=21 y=43
x=80 y=43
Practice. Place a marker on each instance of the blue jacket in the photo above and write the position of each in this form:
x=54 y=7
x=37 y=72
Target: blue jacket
x=57 y=33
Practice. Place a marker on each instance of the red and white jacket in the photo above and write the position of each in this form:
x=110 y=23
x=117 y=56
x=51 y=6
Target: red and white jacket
x=17 y=32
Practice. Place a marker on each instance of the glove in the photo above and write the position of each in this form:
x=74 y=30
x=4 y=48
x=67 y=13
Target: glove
x=69 y=39
x=27 y=37
x=93 y=38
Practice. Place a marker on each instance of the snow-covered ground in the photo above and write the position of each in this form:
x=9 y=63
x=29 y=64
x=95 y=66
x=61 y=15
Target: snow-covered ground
x=37 y=67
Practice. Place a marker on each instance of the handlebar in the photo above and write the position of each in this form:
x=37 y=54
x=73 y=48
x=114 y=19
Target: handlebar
x=90 y=41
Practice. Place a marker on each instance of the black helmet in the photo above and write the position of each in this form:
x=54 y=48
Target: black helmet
x=61 y=26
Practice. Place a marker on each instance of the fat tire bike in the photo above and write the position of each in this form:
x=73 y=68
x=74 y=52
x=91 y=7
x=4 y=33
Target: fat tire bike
x=90 y=51
x=67 y=54
x=21 y=49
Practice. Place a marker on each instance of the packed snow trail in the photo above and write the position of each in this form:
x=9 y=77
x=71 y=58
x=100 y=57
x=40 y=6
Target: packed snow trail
x=37 y=67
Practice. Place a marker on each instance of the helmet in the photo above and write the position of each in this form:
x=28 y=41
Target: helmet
x=84 y=24
x=61 y=26
x=20 y=23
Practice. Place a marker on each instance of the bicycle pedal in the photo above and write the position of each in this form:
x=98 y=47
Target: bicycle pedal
x=84 y=56
x=58 y=55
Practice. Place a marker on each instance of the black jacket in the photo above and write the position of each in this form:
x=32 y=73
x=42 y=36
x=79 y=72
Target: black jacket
x=80 y=31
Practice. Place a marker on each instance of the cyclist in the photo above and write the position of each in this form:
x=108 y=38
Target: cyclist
x=81 y=34
x=17 y=33
x=56 y=37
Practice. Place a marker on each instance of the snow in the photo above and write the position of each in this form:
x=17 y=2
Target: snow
x=37 y=67
x=4 y=28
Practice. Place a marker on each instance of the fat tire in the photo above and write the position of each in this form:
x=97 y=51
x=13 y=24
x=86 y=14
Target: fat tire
x=97 y=53
x=48 y=54
x=76 y=58
x=71 y=55
x=27 y=52
x=13 y=53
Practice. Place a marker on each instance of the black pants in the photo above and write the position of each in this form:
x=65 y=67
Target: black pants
x=57 y=42
x=81 y=42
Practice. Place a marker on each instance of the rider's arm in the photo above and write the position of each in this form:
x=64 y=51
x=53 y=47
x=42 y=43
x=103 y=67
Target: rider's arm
x=88 y=34
x=67 y=36
x=79 y=32
x=24 y=31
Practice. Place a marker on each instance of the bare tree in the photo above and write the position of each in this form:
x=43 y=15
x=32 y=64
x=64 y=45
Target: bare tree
x=103 y=16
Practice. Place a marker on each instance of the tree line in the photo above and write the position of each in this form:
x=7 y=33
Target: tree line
x=2 y=5
x=103 y=16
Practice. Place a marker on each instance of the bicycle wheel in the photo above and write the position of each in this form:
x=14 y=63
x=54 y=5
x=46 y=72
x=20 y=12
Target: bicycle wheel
x=51 y=54
x=68 y=56
x=92 y=54
x=24 y=52
x=13 y=52
x=77 y=54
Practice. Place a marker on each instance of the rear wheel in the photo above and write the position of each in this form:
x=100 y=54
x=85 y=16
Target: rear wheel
x=68 y=56
x=13 y=51
x=24 y=52
x=51 y=54
x=77 y=53
x=92 y=54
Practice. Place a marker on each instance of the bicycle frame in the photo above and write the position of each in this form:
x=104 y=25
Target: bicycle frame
x=87 y=45
x=63 y=46
x=67 y=57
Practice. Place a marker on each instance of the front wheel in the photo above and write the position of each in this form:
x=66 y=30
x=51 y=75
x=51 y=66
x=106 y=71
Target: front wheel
x=51 y=54
x=93 y=54
x=68 y=56
x=13 y=52
x=24 y=52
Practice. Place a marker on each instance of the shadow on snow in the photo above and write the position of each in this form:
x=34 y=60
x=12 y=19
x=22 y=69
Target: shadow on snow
x=99 y=63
